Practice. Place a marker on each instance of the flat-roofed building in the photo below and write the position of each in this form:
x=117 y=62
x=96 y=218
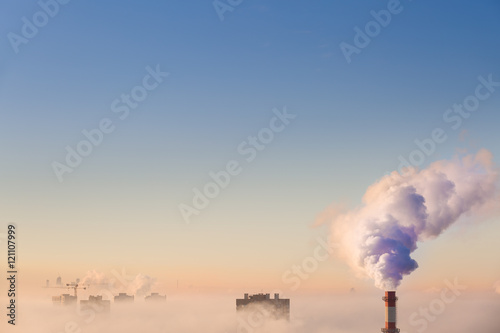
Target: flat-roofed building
x=155 y=297
x=277 y=308
x=124 y=298
x=64 y=299
x=96 y=303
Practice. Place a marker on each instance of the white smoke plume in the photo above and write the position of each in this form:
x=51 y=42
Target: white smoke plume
x=94 y=278
x=138 y=285
x=377 y=239
x=141 y=285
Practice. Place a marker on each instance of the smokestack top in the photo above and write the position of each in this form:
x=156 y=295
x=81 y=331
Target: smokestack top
x=390 y=298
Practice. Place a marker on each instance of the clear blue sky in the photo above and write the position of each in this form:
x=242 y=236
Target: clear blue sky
x=353 y=122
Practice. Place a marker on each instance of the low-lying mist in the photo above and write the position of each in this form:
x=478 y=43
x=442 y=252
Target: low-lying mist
x=439 y=311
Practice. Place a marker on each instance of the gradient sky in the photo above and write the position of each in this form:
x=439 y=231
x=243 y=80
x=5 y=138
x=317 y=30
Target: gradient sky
x=120 y=207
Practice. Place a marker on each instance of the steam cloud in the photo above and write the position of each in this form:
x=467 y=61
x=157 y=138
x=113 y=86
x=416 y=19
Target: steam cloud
x=95 y=278
x=398 y=211
x=139 y=285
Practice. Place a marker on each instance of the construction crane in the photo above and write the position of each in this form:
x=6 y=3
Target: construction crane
x=73 y=285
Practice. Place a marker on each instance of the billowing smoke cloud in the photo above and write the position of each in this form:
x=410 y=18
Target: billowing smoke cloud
x=398 y=211
x=141 y=285
x=94 y=278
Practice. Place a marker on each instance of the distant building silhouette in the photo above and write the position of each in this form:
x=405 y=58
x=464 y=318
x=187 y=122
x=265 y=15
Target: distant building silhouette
x=58 y=281
x=47 y=284
x=155 y=297
x=95 y=303
x=124 y=298
x=64 y=299
x=277 y=307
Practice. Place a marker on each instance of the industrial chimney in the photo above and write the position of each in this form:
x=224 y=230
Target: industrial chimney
x=390 y=312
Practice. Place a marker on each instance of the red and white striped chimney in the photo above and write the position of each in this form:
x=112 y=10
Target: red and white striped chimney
x=390 y=312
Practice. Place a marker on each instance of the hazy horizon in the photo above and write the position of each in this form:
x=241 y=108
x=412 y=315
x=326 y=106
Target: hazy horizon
x=211 y=149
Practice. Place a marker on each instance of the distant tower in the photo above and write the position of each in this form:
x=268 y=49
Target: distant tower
x=390 y=312
x=124 y=298
x=58 y=281
x=47 y=284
